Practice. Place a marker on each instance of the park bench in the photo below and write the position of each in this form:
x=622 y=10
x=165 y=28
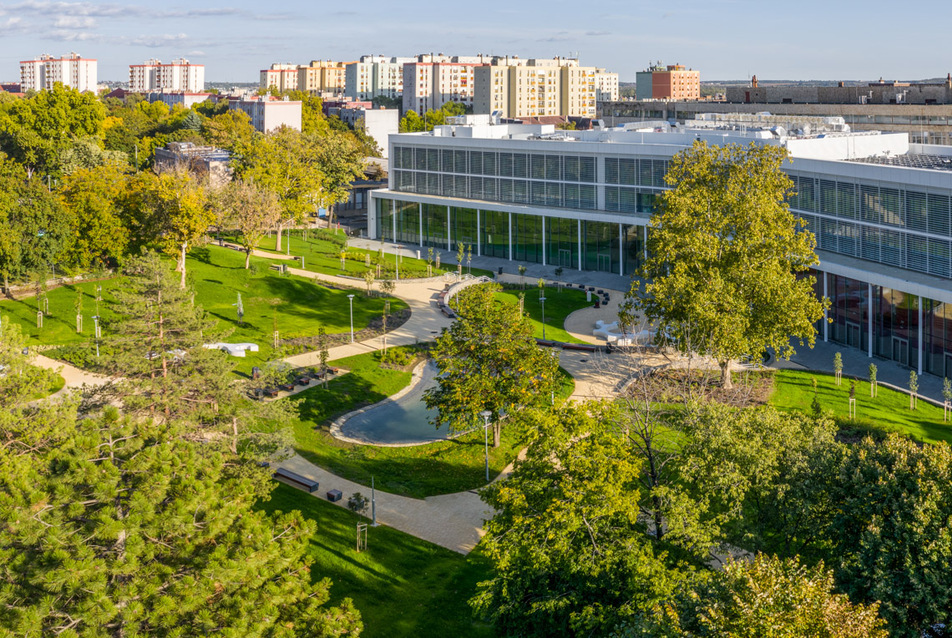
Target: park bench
x=295 y=480
x=334 y=495
x=584 y=347
x=270 y=392
x=304 y=381
x=287 y=387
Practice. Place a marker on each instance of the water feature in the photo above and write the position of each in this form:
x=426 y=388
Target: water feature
x=403 y=420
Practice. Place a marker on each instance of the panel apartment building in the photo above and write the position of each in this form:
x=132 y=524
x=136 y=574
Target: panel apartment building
x=179 y=75
x=430 y=81
x=375 y=75
x=283 y=77
x=517 y=88
x=323 y=78
x=672 y=82
x=73 y=71
x=880 y=207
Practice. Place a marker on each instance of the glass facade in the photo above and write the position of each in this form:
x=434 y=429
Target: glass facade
x=495 y=230
x=463 y=226
x=408 y=222
x=435 y=225
x=527 y=242
x=561 y=238
x=385 y=219
x=600 y=248
x=937 y=338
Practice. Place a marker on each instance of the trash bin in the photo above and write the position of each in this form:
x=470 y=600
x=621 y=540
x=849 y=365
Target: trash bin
x=500 y=270
x=255 y=372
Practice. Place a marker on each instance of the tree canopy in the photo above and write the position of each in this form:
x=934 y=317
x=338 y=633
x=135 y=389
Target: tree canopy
x=726 y=257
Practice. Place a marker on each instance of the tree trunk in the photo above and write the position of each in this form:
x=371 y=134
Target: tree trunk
x=277 y=242
x=726 y=382
x=497 y=433
x=182 y=264
x=248 y=258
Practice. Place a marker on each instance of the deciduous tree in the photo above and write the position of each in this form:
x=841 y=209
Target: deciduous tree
x=724 y=254
x=488 y=360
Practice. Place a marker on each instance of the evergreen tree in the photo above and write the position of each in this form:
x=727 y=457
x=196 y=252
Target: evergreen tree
x=114 y=526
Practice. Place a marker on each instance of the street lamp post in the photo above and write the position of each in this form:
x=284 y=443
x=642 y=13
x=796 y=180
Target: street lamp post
x=396 y=259
x=351 y=298
x=542 y=299
x=486 y=414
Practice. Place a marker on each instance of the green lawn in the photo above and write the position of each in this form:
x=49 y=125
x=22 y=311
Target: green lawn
x=888 y=412
x=403 y=586
x=321 y=255
x=218 y=276
x=418 y=471
x=558 y=306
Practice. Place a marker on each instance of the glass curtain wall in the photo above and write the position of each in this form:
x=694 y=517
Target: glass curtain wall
x=937 y=338
x=434 y=226
x=849 y=305
x=896 y=326
x=385 y=219
x=527 y=238
x=562 y=242
x=600 y=247
x=408 y=222
x=634 y=248
x=495 y=230
x=463 y=226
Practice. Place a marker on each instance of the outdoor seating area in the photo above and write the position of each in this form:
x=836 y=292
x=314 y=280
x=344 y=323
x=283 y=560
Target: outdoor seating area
x=295 y=381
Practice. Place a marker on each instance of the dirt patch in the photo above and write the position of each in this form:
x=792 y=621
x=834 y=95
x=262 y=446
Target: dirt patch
x=751 y=388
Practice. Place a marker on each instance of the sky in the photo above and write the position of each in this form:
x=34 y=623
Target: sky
x=723 y=39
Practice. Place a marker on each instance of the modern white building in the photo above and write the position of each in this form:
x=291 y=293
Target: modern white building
x=375 y=75
x=268 y=113
x=73 y=71
x=379 y=124
x=179 y=75
x=880 y=207
x=283 y=77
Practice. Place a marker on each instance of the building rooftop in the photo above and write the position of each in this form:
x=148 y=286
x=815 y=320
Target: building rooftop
x=911 y=160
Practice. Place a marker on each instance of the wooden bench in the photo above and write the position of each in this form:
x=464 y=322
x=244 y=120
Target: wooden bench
x=295 y=480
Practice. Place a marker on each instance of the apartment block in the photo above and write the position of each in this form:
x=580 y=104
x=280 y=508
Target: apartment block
x=179 y=75
x=283 y=77
x=71 y=71
x=518 y=88
x=606 y=86
x=324 y=78
x=268 y=113
x=672 y=82
x=431 y=80
x=375 y=75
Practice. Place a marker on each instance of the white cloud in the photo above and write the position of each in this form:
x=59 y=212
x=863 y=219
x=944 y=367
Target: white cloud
x=74 y=22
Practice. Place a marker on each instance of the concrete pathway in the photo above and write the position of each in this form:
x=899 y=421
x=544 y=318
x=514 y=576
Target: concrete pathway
x=73 y=376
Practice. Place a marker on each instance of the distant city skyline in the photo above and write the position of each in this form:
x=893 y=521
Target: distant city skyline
x=726 y=40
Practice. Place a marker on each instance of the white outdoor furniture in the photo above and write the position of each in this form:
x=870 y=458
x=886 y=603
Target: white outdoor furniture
x=234 y=349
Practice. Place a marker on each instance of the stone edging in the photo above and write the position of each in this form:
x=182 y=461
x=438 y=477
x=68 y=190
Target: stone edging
x=335 y=429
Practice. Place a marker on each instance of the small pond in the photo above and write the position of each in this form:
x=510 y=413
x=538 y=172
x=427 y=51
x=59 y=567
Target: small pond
x=401 y=421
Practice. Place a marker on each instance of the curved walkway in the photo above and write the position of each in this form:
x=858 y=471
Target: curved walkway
x=454 y=521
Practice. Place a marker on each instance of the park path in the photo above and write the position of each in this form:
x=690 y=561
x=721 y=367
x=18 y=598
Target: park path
x=454 y=521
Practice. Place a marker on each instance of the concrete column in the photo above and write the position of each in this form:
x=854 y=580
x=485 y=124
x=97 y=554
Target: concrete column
x=543 y=240
x=479 y=236
x=869 y=318
x=421 y=223
x=579 y=244
x=645 y=229
x=449 y=240
x=919 y=367
x=510 y=236
x=621 y=250
x=393 y=217
x=826 y=318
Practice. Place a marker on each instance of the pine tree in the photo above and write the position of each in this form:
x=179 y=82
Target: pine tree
x=122 y=526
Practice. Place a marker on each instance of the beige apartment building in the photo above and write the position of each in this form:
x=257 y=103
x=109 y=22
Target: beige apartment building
x=283 y=77
x=517 y=88
x=324 y=78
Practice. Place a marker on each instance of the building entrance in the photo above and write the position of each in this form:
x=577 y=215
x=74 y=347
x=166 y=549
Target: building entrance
x=853 y=335
x=900 y=350
x=565 y=258
x=604 y=262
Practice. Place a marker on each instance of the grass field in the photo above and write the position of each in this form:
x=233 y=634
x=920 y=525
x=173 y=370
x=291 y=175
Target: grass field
x=888 y=412
x=403 y=586
x=298 y=305
x=558 y=306
x=321 y=255
x=418 y=471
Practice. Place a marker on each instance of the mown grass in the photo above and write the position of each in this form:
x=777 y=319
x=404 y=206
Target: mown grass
x=403 y=586
x=559 y=304
x=418 y=471
x=887 y=412
x=296 y=305
x=321 y=252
